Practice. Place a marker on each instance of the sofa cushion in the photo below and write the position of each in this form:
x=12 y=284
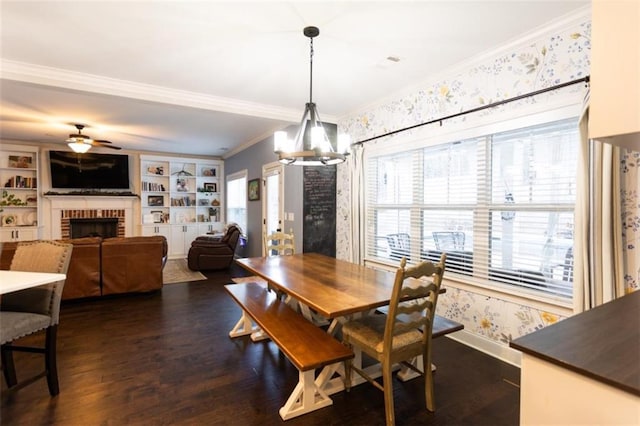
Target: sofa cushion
x=131 y=264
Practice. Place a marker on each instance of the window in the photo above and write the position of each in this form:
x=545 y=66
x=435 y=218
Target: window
x=237 y=199
x=500 y=206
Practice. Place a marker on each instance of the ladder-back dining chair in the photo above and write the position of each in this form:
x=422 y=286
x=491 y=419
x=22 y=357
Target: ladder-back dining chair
x=404 y=333
x=279 y=243
x=31 y=310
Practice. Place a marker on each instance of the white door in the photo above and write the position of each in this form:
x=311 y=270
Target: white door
x=273 y=200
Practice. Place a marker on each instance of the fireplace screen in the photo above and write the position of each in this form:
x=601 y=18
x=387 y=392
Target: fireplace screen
x=93 y=227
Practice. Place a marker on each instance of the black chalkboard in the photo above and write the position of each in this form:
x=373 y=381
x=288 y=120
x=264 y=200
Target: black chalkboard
x=319 y=210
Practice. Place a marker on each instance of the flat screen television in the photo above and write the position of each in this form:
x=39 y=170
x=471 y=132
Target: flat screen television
x=70 y=170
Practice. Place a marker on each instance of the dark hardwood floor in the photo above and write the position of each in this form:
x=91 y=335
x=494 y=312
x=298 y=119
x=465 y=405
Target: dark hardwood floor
x=166 y=358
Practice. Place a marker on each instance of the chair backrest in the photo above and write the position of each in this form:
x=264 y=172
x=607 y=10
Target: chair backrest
x=413 y=301
x=279 y=243
x=449 y=240
x=231 y=236
x=39 y=256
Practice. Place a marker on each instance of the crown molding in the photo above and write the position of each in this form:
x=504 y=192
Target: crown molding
x=72 y=80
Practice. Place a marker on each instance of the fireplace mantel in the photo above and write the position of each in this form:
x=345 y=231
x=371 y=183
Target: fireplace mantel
x=94 y=205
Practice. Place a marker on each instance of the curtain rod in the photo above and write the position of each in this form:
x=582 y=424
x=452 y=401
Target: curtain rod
x=492 y=105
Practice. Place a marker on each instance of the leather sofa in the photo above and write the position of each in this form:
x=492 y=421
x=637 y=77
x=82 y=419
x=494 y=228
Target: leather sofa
x=211 y=253
x=106 y=266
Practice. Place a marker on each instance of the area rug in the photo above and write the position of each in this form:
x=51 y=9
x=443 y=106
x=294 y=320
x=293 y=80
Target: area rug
x=253 y=279
x=177 y=271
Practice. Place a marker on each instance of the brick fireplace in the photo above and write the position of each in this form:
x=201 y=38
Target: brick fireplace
x=63 y=209
x=67 y=217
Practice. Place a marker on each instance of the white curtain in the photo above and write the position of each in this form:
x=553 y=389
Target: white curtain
x=356 y=171
x=598 y=266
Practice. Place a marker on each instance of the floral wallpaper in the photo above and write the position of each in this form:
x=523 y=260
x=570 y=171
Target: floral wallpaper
x=630 y=196
x=560 y=55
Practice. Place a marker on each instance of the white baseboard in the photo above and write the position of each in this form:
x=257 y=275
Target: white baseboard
x=490 y=347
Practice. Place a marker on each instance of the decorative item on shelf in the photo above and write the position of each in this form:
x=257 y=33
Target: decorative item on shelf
x=182 y=172
x=254 y=190
x=203 y=202
x=210 y=187
x=8 y=200
x=215 y=202
x=158 y=216
x=155 y=200
x=30 y=219
x=20 y=161
x=209 y=171
x=213 y=214
x=9 y=220
x=313 y=147
x=156 y=170
x=181 y=185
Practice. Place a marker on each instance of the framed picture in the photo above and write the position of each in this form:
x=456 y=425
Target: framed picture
x=181 y=185
x=155 y=201
x=211 y=187
x=155 y=170
x=253 y=190
x=209 y=171
x=20 y=161
x=158 y=216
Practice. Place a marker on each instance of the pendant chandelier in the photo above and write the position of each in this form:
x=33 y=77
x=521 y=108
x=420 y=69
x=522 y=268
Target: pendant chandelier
x=313 y=147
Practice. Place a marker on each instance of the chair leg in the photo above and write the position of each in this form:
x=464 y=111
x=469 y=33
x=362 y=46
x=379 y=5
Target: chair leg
x=8 y=367
x=387 y=383
x=50 y=360
x=428 y=384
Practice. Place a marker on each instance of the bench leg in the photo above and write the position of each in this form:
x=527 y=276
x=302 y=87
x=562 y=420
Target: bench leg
x=305 y=398
x=243 y=327
x=259 y=335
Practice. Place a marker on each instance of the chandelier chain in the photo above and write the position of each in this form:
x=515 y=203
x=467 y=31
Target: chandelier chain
x=311 y=71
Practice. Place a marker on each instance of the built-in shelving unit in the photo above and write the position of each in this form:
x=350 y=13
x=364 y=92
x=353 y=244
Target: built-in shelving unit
x=181 y=198
x=19 y=201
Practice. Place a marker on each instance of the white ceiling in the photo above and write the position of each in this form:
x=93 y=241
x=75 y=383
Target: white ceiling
x=209 y=77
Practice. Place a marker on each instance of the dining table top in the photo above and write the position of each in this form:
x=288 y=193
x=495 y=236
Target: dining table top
x=332 y=287
x=20 y=280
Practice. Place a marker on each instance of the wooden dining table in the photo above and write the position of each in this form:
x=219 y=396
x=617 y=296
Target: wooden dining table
x=19 y=280
x=333 y=288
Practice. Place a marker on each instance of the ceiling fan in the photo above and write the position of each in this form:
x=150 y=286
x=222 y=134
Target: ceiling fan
x=82 y=143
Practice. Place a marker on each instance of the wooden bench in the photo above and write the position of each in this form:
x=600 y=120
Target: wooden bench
x=307 y=346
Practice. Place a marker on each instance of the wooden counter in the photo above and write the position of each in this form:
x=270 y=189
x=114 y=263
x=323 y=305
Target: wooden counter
x=565 y=365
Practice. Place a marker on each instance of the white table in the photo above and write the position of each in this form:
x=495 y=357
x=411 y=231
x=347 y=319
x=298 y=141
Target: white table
x=20 y=280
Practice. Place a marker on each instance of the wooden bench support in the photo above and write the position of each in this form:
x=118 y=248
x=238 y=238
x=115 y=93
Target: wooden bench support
x=305 y=345
x=245 y=327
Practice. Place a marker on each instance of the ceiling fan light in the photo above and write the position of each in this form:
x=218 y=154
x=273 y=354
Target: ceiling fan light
x=79 y=147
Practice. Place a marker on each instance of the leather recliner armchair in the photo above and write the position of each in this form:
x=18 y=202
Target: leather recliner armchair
x=211 y=253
